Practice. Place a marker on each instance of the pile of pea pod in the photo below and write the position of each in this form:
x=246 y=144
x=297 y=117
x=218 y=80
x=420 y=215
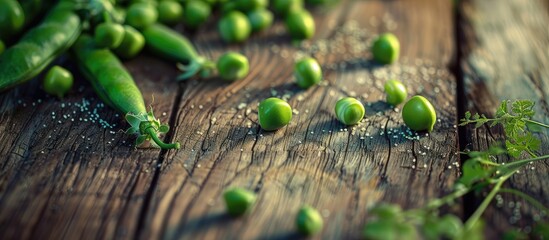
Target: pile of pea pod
x=100 y=34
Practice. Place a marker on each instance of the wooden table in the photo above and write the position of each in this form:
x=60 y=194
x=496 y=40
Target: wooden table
x=62 y=175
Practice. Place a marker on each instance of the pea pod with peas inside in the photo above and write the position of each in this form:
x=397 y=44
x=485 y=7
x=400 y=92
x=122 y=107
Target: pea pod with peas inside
x=173 y=46
x=39 y=47
x=116 y=87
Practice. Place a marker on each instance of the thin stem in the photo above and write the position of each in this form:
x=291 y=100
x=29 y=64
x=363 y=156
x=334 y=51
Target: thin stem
x=476 y=215
x=525 y=161
x=159 y=142
x=526 y=197
x=536 y=123
x=434 y=204
x=532 y=154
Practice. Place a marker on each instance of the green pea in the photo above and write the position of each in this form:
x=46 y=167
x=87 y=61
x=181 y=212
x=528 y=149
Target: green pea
x=283 y=7
x=274 y=113
x=260 y=19
x=109 y=35
x=233 y=66
x=386 y=48
x=169 y=12
x=307 y=72
x=349 y=111
x=309 y=221
x=249 y=5
x=234 y=27
x=141 y=15
x=12 y=18
x=300 y=25
x=239 y=201
x=396 y=92
x=2 y=47
x=118 y=14
x=419 y=114
x=132 y=43
x=58 y=81
x=196 y=13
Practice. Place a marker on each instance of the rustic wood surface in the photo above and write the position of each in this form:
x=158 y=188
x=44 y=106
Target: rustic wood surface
x=504 y=51
x=67 y=170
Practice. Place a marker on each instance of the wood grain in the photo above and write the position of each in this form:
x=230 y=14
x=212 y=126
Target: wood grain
x=315 y=160
x=505 y=48
x=62 y=175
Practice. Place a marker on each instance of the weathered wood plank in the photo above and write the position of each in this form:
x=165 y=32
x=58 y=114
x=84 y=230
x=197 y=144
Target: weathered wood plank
x=315 y=160
x=505 y=56
x=62 y=175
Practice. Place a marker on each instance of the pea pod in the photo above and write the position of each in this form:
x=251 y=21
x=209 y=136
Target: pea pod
x=173 y=46
x=116 y=87
x=39 y=47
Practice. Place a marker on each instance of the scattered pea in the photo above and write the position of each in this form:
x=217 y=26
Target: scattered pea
x=274 y=113
x=118 y=14
x=307 y=72
x=239 y=201
x=141 y=15
x=170 y=12
x=309 y=221
x=349 y=111
x=58 y=81
x=233 y=66
x=109 y=35
x=396 y=92
x=419 y=114
x=234 y=27
x=283 y=7
x=249 y=5
x=196 y=13
x=386 y=48
x=260 y=19
x=300 y=25
x=132 y=43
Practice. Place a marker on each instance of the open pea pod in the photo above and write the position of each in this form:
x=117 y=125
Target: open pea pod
x=39 y=47
x=116 y=87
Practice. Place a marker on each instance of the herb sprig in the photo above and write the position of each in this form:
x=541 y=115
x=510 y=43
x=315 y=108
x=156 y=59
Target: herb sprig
x=479 y=172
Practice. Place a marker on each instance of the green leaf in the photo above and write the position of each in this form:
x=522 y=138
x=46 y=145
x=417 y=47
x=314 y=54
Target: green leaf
x=475 y=233
x=541 y=231
x=514 y=150
x=473 y=171
x=406 y=231
x=523 y=108
x=132 y=130
x=380 y=230
x=386 y=211
x=476 y=116
x=468 y=115
x=514 y=234
x=533 y=127
x=502 y=109
x=140 y=140
x=450 y=226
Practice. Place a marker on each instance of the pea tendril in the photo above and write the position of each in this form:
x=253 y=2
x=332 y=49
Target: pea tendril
x=480 y=171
